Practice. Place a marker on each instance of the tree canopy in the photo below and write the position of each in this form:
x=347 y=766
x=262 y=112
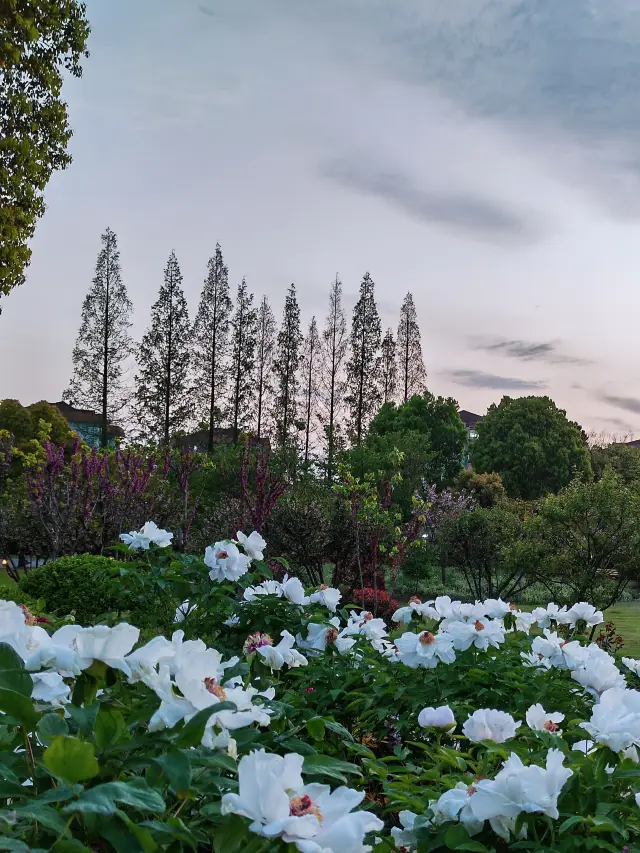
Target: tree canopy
x=532 y=445
x=39 y=41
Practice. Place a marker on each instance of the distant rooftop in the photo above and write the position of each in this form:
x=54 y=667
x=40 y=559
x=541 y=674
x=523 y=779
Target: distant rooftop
x=469 y=419
x=84 y=416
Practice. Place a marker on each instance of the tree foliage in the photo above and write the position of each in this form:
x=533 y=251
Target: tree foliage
x=309 y=382
x=532 y=445
x=265 y=348
x=364 y=366
x=244 y=330
x=103 y=345
x=285 y=367
x=412 y=374
x=332 y=360
x=40 y=40
x=389 y=368
x=210 y=355
x=163 y=394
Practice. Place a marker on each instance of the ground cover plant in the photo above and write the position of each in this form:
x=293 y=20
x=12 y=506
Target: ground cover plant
x=281 y=718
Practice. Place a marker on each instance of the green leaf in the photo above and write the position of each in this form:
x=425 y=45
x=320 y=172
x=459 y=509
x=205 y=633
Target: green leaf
x=71 y=759
x=569 y=822
x=102 y=799
x=50 y=726
x=109 y=728
x=12 y=672
x=177 y=767
x=191 y=734
x=174 y=828
x=84 y=718
x=457 y=838
x=19 y=707
x=45 y=815
x=70 y=845
x=14 y=844
x=316 y=728
x=339 y=730
x=324 y=765
x=230 y=835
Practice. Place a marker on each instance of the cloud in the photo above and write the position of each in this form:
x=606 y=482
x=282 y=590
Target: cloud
x=206 y=10
x=480 y=379
x=629 y=404
x=461 y=210
x=545 y=351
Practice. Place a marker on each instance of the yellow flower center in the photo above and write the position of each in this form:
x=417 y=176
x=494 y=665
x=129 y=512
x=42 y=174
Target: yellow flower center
x=216 y=689
x=426 y=638
x=300 y=806
x=478 y=625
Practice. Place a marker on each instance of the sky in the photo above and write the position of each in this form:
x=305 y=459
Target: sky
x=482 y=154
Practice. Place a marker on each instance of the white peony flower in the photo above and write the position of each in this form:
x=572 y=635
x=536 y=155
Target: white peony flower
x=253 y=545
x=496 y=608
x=632 y=664
x=425 y=649
x=524 y=620
x=598 y=673
x=549 y=649
x=328 y=596
x=517 y=789
x=481 y=633
x=272 y=795
x=276 y=657
x=586 y=747
x=545 y=616
x=583 y=612
x=615 y=720
x=149 y=534
x=406 y=838
x=268 y=587
x=49 y=687
x=72 y=648
x=293 y=591
x=225 y=561
x=437 y=718
x=489 y=724
x=13 y=629
x=540 y=720
x=455 y=804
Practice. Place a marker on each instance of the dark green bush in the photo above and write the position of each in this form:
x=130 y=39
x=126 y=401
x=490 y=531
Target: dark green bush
x=89 y=587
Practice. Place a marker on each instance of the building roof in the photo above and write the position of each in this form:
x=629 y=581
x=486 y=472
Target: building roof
x=84 y=416
x=199 y=440
x=634 y=443
x=469 y=419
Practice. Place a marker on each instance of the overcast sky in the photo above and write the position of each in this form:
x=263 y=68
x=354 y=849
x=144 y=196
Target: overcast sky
x=483 y=154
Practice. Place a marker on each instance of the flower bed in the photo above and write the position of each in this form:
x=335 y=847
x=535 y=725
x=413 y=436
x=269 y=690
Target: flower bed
x=277 y=719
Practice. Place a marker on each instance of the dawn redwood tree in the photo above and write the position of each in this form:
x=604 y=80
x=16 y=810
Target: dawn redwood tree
x=332 y=361
x=103 y=345
x=389 y=368
x=309 y=372
x=285 y=368
x=411 y=369
x=163 y=392
x=364 y=367
x=244 y=332
x=265 y=348
x=41 y=41
x=210 y=353
x=531 y=443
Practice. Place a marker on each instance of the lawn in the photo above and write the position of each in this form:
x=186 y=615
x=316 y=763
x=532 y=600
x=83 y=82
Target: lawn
x=626 y=617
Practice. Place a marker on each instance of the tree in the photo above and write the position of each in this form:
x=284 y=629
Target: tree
x=532 y=445
x=210 y=357
x=264 y=360
x=103 y=345
x=389 y=368
x=163 y=394
x=332 y=357
x=40 y=40
x=310 y=357
x=412 y=372
x=364 y=365
x=285 y=368
x=244 y=329
x=624 y=460
x=587 y=539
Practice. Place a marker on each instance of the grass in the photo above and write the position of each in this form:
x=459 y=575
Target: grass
x=626 y=617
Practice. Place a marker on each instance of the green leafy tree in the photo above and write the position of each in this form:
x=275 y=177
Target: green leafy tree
x=163 y=392
x=244 y=330
x=364 y=366
x=103 y=345
x=309 y=371
x=285 y=367
x=585 y=539
x=412 y=374
x=624 y=460
x=23 y=422
x=532 y=445
x=40 y=41
x=210 y=358
x=332 y=360
x=265 y=348
x=389 y=368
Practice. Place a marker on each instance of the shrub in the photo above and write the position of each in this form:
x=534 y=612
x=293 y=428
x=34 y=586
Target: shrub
x=89 y=587
x=377 y=601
